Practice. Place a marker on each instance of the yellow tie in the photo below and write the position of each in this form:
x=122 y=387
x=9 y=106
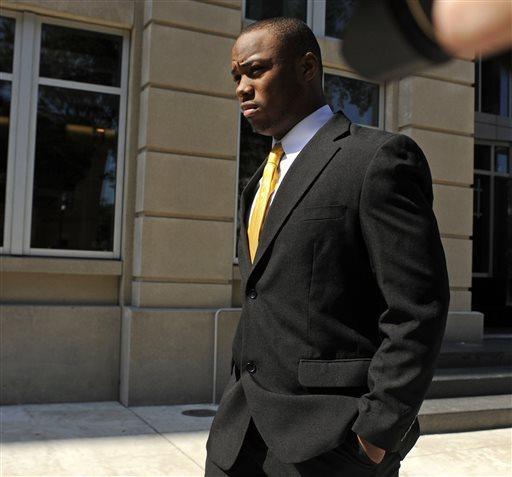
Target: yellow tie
x=267 y=187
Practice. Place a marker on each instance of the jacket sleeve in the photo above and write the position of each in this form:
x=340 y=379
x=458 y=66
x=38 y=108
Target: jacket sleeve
x=405 y=251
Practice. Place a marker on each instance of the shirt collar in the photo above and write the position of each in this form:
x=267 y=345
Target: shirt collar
x=296 y=138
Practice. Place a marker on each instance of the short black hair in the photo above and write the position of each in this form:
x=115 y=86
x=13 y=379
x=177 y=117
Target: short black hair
x=295 y=36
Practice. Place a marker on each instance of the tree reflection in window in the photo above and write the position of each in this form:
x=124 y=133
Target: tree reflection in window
x=337 y=16
x=358 y=99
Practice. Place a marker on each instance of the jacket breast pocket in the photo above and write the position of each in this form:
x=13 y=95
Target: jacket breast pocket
x=320 y=212
x=347 y=372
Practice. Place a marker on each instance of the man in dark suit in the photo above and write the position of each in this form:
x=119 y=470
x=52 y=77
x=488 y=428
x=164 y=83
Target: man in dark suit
x=344 y=280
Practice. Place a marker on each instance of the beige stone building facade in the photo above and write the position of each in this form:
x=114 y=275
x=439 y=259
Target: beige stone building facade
x=144 y=311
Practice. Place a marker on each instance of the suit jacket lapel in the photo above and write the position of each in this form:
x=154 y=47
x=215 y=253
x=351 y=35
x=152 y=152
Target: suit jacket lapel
x=305 y=168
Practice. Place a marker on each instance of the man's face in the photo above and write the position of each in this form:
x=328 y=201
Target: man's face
x=268 y=85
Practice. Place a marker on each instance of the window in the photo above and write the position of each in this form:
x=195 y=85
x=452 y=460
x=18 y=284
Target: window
x=493 y=84
x=492 y=211
x=358 y=99
x=492 y=232
x=260 y=9
x=65 y=150
x=7 y=28
x=325 y=17
x=337 y=16
x=501 y=160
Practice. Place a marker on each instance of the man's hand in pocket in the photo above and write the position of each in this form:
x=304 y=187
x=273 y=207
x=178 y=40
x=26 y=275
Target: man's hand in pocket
x=373 y=452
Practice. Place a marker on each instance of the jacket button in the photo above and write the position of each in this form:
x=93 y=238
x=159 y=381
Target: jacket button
x=250 y=367
x=252 y=293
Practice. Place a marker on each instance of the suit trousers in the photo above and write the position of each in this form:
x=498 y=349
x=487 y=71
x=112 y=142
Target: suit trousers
x=346 y=460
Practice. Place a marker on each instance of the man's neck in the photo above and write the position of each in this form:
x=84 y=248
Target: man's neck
x=305 y=114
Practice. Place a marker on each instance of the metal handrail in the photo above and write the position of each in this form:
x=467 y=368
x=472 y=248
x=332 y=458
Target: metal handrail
x=215 y=340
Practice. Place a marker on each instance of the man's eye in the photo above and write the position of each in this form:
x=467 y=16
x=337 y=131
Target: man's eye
x=236 y=79
x=257 y=71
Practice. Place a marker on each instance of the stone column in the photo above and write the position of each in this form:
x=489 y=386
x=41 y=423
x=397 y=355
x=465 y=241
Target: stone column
x=185 y=204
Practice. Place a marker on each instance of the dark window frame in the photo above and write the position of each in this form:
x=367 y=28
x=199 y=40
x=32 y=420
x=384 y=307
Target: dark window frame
x=478 y=89
x=492 y=174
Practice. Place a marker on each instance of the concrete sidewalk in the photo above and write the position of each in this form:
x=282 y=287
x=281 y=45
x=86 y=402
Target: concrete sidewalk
x=107 y=439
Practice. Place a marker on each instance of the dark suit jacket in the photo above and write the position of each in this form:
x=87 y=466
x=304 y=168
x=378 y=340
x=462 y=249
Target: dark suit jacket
x=345 y=304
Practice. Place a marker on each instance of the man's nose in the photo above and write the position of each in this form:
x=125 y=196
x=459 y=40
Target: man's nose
x=244 y=88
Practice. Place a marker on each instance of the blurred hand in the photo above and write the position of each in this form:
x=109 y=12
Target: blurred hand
x=464 y=28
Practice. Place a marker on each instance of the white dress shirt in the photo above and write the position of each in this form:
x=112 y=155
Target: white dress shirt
x=295 y=140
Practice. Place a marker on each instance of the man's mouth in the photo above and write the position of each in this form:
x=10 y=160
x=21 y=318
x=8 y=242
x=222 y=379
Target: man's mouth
x=249 y=109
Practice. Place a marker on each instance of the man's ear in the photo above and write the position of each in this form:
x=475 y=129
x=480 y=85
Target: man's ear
x=310 y=66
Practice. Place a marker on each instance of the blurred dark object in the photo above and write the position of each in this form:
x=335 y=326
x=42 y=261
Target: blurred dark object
x=388 y=39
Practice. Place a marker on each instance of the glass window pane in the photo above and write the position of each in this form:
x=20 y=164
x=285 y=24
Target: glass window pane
x=75 y=169
x=5 y=109
x=80 y=55
x=481 y=224
x=6 y=43
x=337 y=15
x=261 y=9
x=254 y=149
x=482 y=157
x=496 y=74
x=359 y=100
x=501 y=161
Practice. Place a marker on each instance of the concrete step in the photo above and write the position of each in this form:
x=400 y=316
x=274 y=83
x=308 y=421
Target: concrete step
x=490 y=352
x=478 y=381
x=465 y=414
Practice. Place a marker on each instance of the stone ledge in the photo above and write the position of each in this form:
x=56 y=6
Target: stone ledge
x=75 y=266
